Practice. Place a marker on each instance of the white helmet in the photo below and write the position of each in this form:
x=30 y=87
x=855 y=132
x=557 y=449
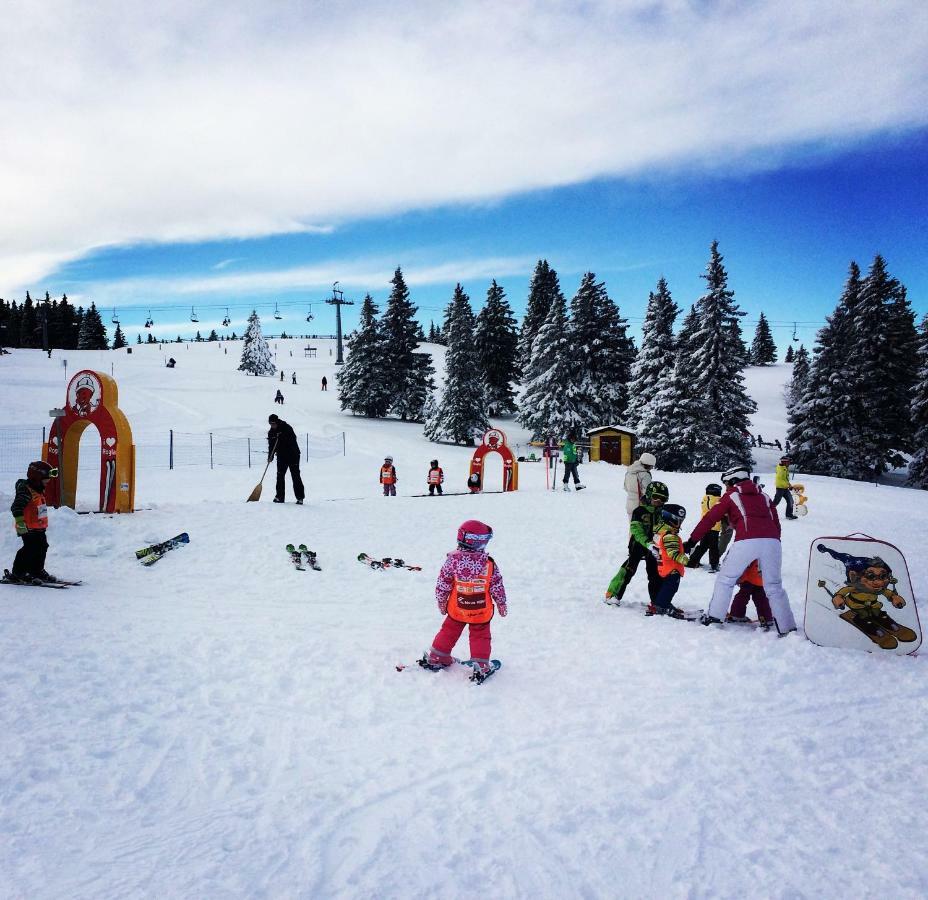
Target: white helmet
x=647 y=459
x=388 y=459
x=735 y=474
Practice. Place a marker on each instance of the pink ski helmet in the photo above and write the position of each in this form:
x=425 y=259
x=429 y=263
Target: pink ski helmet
x=474 y=535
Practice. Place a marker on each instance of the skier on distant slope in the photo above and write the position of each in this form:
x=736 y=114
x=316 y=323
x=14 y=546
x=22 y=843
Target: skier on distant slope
x=30 y=518
x=754 y=519
x=644 y=521
x=468 y=585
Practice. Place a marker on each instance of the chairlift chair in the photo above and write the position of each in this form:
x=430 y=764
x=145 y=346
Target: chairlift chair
x=309 y=315
x=277 y=314
x=795 y=336
x=193 y=315
x=149 y=321
x=115 y=319
x=226 y=322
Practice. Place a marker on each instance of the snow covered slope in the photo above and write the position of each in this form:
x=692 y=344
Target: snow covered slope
x=221 y=725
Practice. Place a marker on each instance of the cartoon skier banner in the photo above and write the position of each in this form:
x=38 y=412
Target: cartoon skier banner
x=859 y=596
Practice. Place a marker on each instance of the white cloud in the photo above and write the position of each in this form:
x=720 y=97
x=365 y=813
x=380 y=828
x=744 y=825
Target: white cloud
x=125 y=121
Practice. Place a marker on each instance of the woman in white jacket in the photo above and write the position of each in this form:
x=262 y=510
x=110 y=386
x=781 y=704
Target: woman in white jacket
x=637 y=478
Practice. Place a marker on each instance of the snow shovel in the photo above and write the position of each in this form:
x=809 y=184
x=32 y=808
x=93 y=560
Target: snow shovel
x=255 y=495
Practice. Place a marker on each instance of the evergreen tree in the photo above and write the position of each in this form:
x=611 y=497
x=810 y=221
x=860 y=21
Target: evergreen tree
x=198 y=338
x=763 y=349
x=800 y=377
x=92 y=335
x=150 y=339
x=821 y=422
x=256 y=355
x=138 y=338
x=550 y=404
x=716 y=359
x=543 y=291
x=918 y=466
x=28 y=324
x=409 y=374
x=688 y=329
x=789 y=354
x=497 y=344
x=213 y=336
x=657 y=353
x=361 y=386
x=69 y=323
x=462 y=409
x=119 y=339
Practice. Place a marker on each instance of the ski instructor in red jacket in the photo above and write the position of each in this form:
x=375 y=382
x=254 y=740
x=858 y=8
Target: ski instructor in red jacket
x=754 y=519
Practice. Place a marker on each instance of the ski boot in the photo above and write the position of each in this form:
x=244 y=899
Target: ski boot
x=566 y=487
x=611 y=600
x=706 y=619
x=426 y=663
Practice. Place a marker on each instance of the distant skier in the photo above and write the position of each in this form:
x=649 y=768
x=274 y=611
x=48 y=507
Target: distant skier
x=282 y=443
x=294 y=377
x=388 y=477
x=711 y=540
x=569 y=455
x=436 y=477
x=783 y=487
x=637 y=479
x=325 y=383
x=30 y=518
x=757 y=536
x=468 y=586
x=281 y=374
x=645 y=519
x=279 y=398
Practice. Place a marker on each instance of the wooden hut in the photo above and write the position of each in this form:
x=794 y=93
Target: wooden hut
x=612 y=444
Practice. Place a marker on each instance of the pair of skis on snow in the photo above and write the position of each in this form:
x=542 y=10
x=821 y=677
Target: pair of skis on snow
x=148 y=556
x=478 y=676
x=30 y=581
x=300 y=554
x=386 y=563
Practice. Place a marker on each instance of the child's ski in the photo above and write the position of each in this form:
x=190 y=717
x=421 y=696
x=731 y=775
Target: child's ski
x=296 y=558
x=684 y=615
x=164 y=546
x=386 y=563
x=477 y=676
x=310 y=557
x=16 y=581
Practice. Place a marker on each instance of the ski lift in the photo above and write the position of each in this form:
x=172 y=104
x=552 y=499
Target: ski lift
x=795 y=336
x=115 y=319
x=149 y=321
x=277 y=314
x=226 y=322
x=309 y=315
x=193 y=315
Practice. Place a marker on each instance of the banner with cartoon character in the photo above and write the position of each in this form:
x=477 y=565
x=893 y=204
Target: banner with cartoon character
x=859 y=596
x=494 y=441
x=92 y=399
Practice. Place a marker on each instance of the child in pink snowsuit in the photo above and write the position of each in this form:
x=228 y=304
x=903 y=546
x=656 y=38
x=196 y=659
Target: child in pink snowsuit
x=468 y=585
x=750 y=587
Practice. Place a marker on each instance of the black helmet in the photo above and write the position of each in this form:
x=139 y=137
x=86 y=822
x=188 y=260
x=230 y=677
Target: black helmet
x=434 y=463
x=656 y=490
x=673 y=513
x=39 y=469
x=715 y=490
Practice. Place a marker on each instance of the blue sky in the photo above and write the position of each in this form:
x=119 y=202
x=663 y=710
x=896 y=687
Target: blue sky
x=217 y=156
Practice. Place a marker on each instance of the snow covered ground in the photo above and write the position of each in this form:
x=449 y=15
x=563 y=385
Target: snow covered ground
x=221 y=725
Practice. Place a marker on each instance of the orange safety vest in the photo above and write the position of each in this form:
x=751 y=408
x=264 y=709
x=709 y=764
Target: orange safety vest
x=436 y=476
x=470 y=601
x=751 y=575
x=666 y=565
x=35 y=514
x=387 y=474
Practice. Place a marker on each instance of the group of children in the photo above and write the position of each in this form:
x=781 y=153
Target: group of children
x=434 y=480
x=655 y=538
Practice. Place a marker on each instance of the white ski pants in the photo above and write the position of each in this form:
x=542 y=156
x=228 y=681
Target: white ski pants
x=769 y=554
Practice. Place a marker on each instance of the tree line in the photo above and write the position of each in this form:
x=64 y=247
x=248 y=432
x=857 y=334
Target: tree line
x=53 y=324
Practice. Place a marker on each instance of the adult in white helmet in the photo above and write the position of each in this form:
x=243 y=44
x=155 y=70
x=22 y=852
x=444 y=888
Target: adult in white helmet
x=753 y=517
x=637 y=479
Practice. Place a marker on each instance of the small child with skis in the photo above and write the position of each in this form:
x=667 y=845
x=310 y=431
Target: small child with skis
x=671 y=560
x=30 y=518
x=751 y=587
x=388 y=477
x=436 y=477
x=710 y=540
x=468 y=586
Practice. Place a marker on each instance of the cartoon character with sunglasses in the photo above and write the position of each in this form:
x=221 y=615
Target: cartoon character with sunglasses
x=868 y=582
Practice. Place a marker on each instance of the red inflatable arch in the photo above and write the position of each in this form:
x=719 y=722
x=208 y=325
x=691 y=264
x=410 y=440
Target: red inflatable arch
x=494 y=441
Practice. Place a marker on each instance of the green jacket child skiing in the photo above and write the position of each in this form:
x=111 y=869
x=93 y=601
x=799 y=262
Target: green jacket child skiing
x=645 y=519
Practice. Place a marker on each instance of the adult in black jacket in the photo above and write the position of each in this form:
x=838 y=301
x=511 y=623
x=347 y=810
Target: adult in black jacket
x=282 y=443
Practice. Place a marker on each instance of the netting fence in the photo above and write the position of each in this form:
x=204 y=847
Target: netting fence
x=172 y=449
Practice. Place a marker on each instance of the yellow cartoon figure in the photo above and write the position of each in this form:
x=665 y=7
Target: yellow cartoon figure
x=869 y=581
x=799 y=499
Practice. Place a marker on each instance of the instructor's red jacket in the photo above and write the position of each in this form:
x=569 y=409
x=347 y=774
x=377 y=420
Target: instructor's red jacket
x=750 y=513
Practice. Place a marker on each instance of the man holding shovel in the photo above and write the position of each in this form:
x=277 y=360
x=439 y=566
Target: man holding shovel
x=282 y=443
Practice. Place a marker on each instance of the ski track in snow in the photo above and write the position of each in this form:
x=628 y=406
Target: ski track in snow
x=221 y=725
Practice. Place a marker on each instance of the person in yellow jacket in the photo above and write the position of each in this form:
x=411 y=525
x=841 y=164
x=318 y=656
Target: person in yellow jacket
x=710 y=540
x=782 y=486
x=671 y=560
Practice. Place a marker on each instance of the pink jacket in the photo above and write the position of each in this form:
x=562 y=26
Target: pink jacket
x=467 y=564
x=750 y=513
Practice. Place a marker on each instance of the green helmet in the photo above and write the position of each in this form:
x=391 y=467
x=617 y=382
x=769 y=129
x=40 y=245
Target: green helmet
x=656 y=490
